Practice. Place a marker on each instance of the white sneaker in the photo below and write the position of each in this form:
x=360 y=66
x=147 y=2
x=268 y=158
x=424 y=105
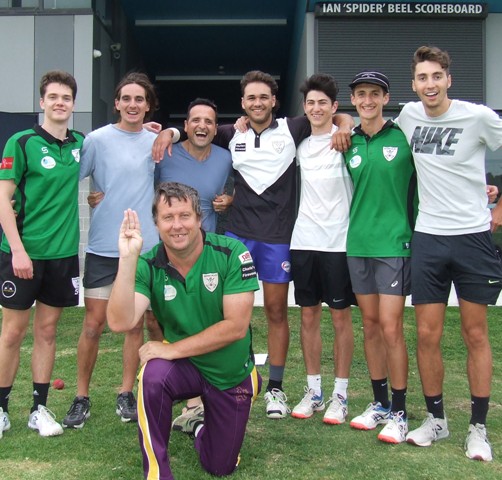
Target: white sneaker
x=4 y=422
x=374 y=415
x=477 y=446
x=337 y=410
x=310 y=403
x=44 y=421
x=396 y=429
x=431 y=430
x=276 y=404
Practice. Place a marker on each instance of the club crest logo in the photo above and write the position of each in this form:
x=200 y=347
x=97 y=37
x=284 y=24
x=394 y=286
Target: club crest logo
x=76 y=154
x=286 y=266
x=75 y=281
x=278 y=146
x=390 y=153
x=210 y=281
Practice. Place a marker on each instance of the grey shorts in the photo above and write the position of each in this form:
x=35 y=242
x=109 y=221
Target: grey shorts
x=383 y=275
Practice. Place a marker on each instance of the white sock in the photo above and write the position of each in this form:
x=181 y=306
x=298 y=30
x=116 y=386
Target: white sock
x=314 y=383
x=341 y=385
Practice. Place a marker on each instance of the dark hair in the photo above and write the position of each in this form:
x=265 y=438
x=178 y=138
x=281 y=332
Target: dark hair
x=320 y=82
x=203 y=101
x=257 y=76
x=165 y=191
x=58 y=76
x=143 y=81
x=431 y=54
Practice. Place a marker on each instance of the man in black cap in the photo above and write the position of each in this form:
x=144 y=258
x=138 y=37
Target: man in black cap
x=378 y=250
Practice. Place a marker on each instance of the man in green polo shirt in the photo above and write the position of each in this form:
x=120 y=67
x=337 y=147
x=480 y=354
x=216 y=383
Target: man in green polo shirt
x=39 y=247
x=200 y=287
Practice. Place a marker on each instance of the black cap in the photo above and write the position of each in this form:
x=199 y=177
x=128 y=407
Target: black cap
x=375 y=78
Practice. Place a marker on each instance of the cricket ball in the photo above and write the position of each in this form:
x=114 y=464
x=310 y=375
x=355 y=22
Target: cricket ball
x=58 y=384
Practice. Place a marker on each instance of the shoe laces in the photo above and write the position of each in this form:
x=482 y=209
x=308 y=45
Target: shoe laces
x=45 y=414
x=308 y=397
x=397 y=417
x=78 y=406
x=338 y=400
x=478 y=432
x=430 y=423
x=278 y=395
x=128 y=399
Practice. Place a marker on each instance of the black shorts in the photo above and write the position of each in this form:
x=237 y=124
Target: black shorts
x=469 y=261
x=55 y=283
x=99 y=271
x=321 y=276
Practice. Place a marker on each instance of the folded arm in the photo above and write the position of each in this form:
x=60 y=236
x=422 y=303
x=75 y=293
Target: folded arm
x=237 y=310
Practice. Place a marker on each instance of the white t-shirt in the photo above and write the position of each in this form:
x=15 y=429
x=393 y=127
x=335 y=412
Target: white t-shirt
x=449 y=154
x=325 y=196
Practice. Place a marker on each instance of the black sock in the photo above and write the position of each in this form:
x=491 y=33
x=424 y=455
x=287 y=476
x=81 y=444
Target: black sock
x=381 y=392
x=479 y=409
x=399 y=400
x=435 y=405
x=274 y=384
x=4 y=398
x=40 y=394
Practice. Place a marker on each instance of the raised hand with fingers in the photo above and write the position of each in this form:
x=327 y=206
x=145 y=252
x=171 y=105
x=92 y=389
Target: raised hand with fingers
x=130 y=241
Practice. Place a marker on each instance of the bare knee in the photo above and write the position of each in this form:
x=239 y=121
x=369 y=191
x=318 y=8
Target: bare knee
x=476 y=337
x=393 y=335
x=276 y=312
x=13 y=337
x=45 y=333
x=93 y=326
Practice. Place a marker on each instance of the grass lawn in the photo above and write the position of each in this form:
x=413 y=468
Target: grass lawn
x=273 y=449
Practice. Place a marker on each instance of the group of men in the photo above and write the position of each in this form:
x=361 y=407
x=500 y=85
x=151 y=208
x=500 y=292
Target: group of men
x=374 y=237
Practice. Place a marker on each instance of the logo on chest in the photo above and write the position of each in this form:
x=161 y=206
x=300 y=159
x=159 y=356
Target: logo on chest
x=278 y=145
x=210 y=281
x=389 y=153
x=169 y=293
x=48 y=163
x=76 y=154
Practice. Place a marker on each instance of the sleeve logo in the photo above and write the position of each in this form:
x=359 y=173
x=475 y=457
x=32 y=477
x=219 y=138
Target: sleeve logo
x=7 y=163
x=245 y=257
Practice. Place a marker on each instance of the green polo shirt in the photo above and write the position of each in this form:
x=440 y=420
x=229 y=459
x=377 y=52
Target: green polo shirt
x=45 y=171
x=384 y=204
x=187 y=306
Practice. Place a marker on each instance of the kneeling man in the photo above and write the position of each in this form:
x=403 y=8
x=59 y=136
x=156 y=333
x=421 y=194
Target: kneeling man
x=200 y=287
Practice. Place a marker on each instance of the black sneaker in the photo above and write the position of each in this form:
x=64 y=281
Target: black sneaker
x=126 y=407
x=78 y=413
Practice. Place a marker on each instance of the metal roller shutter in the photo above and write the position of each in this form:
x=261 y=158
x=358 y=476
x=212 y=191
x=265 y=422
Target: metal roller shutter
x=346 y=46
